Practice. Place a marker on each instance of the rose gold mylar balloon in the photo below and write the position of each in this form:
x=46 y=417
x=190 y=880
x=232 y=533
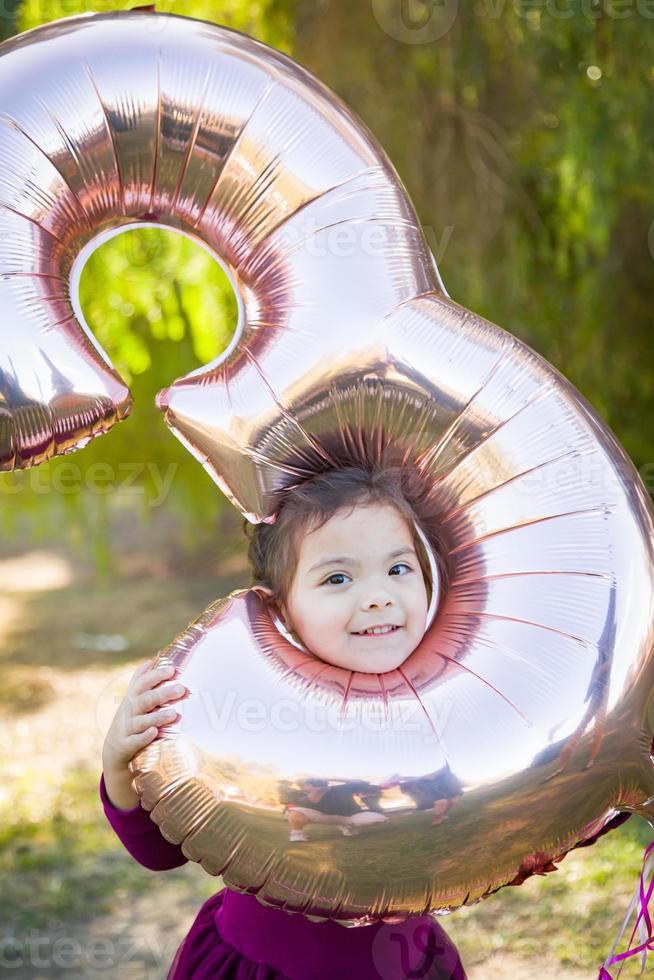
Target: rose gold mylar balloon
x=525 y=717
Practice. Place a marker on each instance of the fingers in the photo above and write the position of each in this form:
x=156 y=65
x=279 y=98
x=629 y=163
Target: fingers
x=145 y=703
x=156 y=696
x=153 y=720
x=143 y=711
x=141 y=671
x=140 y=739
x=145 y=677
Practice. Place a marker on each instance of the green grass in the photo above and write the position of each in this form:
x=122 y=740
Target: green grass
x=67 y=865
x=64 y=865
x=60 y=866
x=61 y=863
x=573 y=914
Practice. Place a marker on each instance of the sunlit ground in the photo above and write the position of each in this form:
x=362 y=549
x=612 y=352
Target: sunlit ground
x=67 y=650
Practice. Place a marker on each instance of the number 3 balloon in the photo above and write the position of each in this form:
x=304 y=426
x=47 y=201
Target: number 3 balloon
x=525 y=716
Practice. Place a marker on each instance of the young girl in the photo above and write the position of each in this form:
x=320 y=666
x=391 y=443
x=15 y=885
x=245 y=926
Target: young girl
x=345 y=567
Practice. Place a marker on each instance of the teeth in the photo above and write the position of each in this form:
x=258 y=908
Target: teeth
x=378 y=629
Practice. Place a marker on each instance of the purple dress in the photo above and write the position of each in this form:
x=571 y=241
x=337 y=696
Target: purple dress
x=234 y=937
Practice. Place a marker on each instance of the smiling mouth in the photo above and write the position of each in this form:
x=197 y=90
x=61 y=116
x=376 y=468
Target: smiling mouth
x=378 y=631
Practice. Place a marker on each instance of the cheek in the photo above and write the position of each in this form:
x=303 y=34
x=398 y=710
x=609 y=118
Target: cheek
x=316 y=618
x=299 y=612
x=419 y=604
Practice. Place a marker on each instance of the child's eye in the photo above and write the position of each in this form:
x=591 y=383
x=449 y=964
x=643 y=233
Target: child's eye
x=342 y=575
x=335 y=575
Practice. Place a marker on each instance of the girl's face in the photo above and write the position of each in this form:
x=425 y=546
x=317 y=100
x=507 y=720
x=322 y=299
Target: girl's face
x=359 y=571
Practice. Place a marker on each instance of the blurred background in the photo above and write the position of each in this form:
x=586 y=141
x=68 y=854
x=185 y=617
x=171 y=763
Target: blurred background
x=523 y=133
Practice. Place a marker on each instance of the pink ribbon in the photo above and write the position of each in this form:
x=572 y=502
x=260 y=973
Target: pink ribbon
x=643 y=922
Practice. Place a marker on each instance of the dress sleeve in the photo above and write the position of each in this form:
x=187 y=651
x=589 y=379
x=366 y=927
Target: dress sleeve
x=140 y=835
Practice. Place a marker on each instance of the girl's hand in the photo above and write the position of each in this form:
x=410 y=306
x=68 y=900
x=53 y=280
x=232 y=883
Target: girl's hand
x=144 y=708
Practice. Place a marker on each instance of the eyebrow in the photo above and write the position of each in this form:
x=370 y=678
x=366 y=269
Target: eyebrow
x=345 y=559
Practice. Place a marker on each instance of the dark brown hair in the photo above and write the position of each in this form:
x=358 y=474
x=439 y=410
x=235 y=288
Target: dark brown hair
x=273 y=548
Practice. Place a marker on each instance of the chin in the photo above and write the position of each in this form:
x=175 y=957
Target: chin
x=368 y=663
x=380 y=665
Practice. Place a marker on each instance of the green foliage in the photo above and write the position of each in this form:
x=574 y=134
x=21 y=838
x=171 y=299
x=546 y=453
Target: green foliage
x=523 y=136
x=571 y=915
x=533 y=171
x=270 y=21
x=61 y=863
x=8 y=16
x=160 y=306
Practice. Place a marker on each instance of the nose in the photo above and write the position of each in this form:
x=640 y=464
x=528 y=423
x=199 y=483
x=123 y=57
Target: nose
x=379 y=600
